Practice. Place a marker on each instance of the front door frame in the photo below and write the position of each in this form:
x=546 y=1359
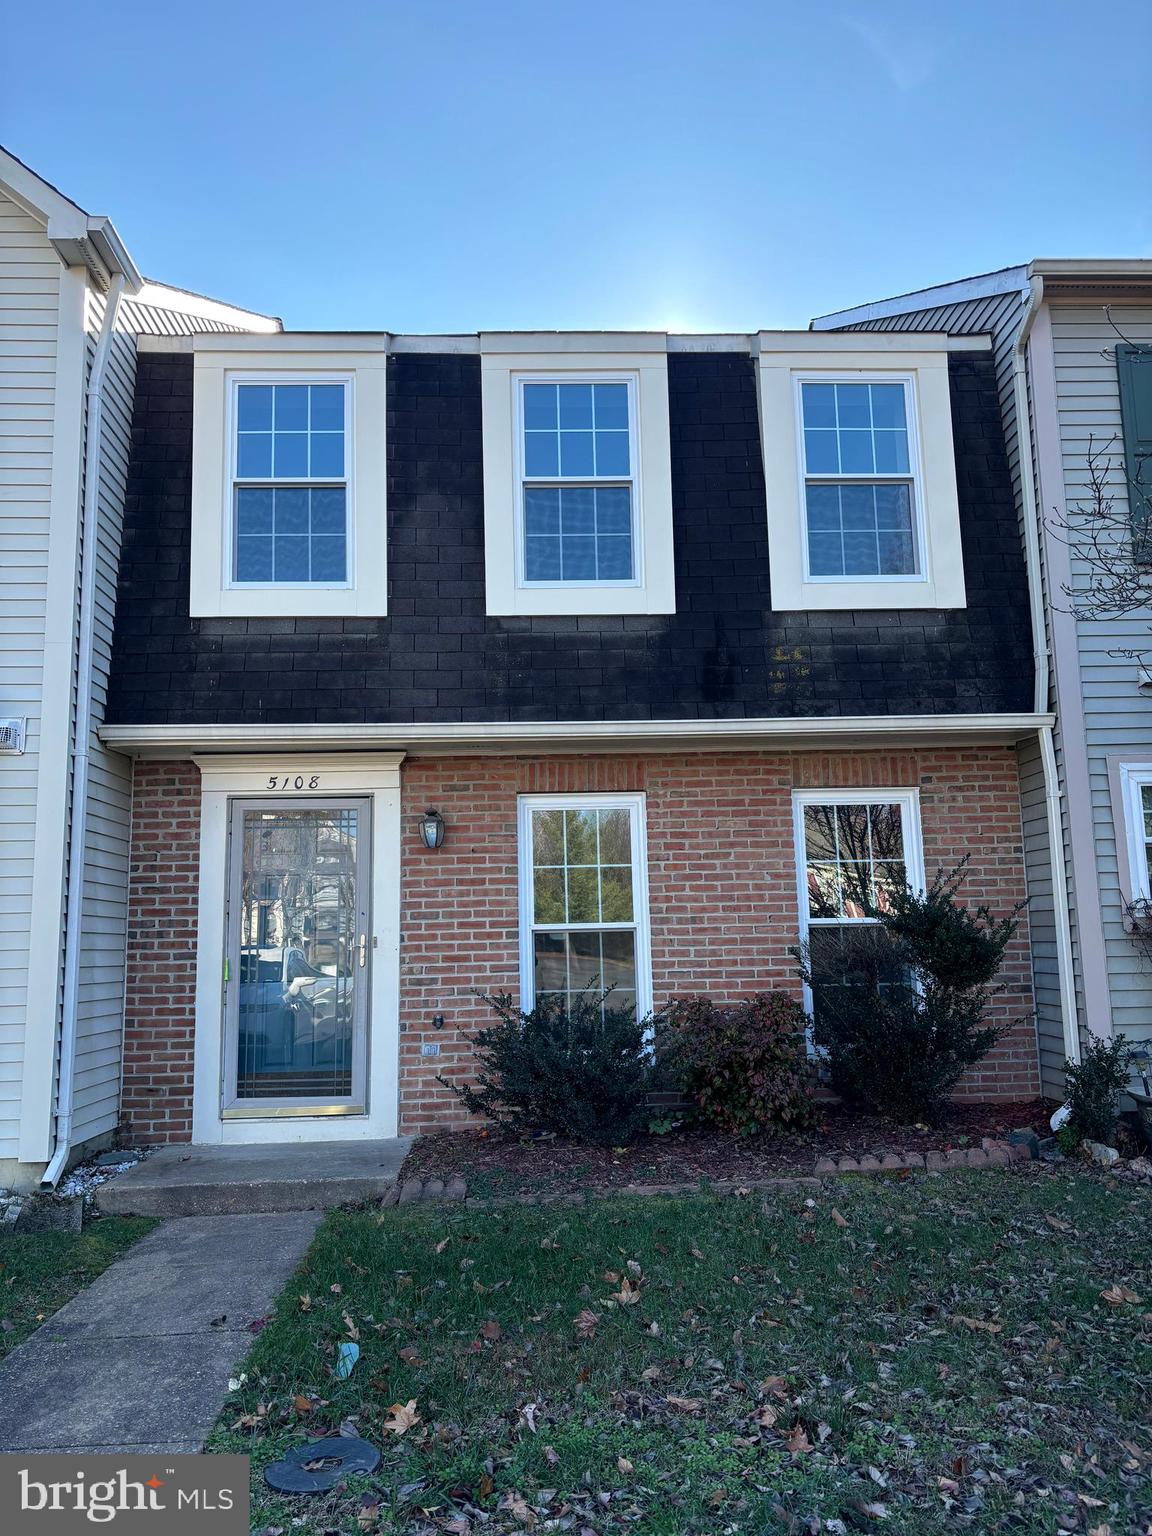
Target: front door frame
x=297 y=777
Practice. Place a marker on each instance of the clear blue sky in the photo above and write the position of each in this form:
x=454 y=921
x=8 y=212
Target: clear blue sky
x=466 y=164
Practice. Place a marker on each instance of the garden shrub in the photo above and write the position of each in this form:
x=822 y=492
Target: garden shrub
x=901 y=1010
x=744 y=1065
x=1093 y=1087
x=583 y=1070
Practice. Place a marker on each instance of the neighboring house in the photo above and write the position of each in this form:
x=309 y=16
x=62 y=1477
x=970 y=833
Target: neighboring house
x=1073 y=348
x=518 y=661
x=71 y=306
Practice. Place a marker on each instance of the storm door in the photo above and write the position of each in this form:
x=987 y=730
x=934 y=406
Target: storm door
x=298 y=956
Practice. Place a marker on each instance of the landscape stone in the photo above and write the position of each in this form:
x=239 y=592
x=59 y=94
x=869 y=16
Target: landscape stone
x=51 y=1213
x=1103 y=1156
x=455 y=1189
x=1027 y=1138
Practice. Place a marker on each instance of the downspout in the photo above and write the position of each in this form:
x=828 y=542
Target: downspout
x=1052 y=797
x=89 y=519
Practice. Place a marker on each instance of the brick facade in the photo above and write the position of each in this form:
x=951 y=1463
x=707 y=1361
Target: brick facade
x=722 y=879
x=160 y=984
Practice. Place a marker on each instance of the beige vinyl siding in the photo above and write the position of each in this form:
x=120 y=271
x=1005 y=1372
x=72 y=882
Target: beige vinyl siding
x=1117 y=714
x=29 y=307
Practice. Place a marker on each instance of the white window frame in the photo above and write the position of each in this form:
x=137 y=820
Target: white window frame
x=223 y=361
x=915 y=476
x=508 y=360
x=235 y=380
x=633 y=480
x=919 y=361
x=909 y=802
x=1134 y=778
x=636 y=805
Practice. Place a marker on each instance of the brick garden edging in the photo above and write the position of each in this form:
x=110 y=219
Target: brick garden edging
x=990 y=1154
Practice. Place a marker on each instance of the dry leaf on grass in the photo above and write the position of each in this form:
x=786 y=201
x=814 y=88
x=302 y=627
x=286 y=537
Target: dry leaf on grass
x=684 y=1404
x=491 y=1330
x=1117 y=1295
x=977 y=1323
x=585 y=1323
x=401 y=1417
x=837 y=1218
x=624 y=1465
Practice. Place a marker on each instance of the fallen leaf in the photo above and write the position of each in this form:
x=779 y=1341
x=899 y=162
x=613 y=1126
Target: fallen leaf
x=765 y=1417
x=302 y=1404
x=353 y=1331
x=440 y=1246
x=628 y=1294
x=516 y=1505
x=305 y=1303
x=634 y=1269
x=684 y=1404
x=401 y=1417
x=1117 y=1295
x=528 y=1414
x=550 y=1456
x=368 y=1515
x=585 y=1323
x=837 y=1218
x=337 y=1289
x=624 y=1465
x=1061 y=1226
x=977 y=1323
x=696 y=1254
x=410 y=1355
x=876 y=1510
x=797 y=1441
x=491 y=1330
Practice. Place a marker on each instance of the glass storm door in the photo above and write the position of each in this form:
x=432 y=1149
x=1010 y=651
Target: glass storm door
x=296 y=995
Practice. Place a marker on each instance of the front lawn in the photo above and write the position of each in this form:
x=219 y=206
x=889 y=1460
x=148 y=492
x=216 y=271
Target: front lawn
x=924 y=1354
x=40 y=1271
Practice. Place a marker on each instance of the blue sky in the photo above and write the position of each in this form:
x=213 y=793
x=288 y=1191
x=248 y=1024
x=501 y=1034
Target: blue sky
x=439 y=165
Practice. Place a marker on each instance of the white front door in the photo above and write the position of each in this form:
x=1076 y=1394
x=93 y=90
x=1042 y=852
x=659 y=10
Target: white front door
x=299 y=939
x=297 y=977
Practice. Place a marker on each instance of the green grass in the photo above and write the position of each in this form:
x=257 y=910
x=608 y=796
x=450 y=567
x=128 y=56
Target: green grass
x=40 y=1271
x=888 y=1406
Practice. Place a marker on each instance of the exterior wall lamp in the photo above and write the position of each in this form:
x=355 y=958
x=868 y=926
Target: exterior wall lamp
x=432 y=829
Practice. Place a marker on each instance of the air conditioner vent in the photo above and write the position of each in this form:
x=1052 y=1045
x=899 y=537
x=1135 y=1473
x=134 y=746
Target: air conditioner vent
x=11 y=736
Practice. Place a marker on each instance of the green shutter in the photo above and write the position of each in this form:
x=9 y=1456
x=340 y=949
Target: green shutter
x=1134 y=368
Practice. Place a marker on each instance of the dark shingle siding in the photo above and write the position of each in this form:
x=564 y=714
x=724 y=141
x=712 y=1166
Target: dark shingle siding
x=438 y=657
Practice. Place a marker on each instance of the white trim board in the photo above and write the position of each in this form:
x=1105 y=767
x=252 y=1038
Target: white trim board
x=788 y=733
x=224 y=779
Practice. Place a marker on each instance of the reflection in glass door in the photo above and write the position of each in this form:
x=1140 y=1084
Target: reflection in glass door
x=298 y=958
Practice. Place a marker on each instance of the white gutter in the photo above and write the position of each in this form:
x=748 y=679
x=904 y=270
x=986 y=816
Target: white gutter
x=89 y=519
x=1052 y=798
x=787 y=732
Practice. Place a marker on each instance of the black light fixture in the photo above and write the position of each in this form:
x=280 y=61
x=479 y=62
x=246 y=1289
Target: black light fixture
x=432 y=829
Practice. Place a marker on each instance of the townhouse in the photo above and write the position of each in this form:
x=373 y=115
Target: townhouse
x=72 y=304
x=1072 y=342
x=515 y=662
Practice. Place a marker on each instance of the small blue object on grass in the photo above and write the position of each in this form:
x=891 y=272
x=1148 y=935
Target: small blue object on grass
x=346 y=1357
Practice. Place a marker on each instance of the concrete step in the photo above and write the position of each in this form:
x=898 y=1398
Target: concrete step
x=182 y=1180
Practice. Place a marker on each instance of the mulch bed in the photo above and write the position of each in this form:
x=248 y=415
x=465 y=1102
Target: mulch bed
x=492 y=1164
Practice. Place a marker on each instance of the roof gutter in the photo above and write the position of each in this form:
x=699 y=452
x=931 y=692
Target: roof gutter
x=1069 y=1012
x=77 y=838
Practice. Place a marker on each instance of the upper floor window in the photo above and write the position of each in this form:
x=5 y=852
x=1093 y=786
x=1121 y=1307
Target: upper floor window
x=578 y=489
x=289 y=476
x=290 y=482
x=577 y=474
x=860 y=491
x=860 y=471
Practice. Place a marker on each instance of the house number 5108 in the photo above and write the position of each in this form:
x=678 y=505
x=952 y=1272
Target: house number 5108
x=293 y=781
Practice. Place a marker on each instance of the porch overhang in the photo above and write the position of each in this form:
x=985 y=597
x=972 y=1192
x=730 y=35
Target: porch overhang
x=788 y=733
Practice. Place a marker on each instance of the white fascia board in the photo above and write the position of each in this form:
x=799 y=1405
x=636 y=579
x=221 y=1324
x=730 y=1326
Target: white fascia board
x=80 y=239
x=535 y=342
x=292 y=341
x=789 y=733
x=983 y=286
x=1085 y=267
x=851 y=341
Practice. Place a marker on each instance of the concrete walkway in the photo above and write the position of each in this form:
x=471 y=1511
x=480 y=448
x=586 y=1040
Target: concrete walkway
x=186 y=1180
x=140 y=1361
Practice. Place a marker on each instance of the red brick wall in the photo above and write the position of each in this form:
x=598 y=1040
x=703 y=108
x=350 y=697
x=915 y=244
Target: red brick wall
x=722 y=883
x=160 y=1000
x=722 y=880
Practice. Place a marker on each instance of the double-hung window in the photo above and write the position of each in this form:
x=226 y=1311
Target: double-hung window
x=290 y=482
x=853 y=851
x=583 y=899
x=578 y=480
x=1136 y=807
x=861 y=494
